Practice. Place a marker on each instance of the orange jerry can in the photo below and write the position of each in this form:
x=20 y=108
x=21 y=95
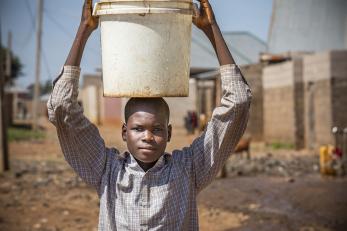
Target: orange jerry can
x=326 y=160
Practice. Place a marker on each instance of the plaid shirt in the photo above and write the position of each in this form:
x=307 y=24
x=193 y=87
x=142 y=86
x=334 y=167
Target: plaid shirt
x=164 y=197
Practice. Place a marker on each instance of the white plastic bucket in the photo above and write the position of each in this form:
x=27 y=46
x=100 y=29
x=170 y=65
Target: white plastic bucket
x=145 y=47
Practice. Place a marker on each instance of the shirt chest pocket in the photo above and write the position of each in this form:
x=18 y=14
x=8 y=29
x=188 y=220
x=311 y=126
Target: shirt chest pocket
x=168 y=184
x=169 y=199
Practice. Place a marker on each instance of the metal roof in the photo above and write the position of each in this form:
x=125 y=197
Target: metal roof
x=244 y=46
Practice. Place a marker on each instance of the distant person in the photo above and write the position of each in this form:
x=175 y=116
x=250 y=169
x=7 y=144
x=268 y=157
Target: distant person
x=146 y=188
x=194 y=121
x=25 y=112
x=187 y=123
x=202 y=122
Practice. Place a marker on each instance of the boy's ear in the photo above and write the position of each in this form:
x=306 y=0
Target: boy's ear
x=124 y=132
x=169 y=131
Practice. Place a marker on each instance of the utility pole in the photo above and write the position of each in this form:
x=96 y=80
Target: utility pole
x=38 y=63
x=8 y=57
x=4 y=160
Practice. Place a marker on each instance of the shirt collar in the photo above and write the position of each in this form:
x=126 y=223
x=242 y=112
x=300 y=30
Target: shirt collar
x=135 y=167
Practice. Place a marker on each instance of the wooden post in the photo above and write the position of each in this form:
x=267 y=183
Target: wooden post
x=38 y=64
x=4 y=160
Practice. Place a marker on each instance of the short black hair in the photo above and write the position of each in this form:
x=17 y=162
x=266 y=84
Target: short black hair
x=157 y=103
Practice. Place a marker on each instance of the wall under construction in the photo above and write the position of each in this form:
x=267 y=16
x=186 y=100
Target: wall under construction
x=283 y=103
x=325 y=79
x=255 y=126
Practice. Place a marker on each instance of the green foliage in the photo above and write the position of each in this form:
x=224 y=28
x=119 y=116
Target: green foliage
x=20 y=134
x=16 y=65
x=44 y=88
x=281 y=145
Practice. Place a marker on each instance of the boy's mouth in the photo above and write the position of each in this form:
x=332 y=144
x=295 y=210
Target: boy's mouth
x=147 y=148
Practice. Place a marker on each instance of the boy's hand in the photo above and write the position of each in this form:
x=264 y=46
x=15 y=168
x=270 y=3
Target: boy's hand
x=88 y=21
x=204 y=18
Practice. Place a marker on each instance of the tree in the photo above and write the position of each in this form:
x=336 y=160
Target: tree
x=45 y=88
x=16 y=65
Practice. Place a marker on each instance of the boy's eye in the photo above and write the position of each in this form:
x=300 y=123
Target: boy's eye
x=138 y=129
x=157 y=129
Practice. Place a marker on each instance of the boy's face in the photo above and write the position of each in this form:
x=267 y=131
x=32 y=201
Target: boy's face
x=147 y=133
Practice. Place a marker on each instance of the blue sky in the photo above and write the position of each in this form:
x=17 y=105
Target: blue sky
x=61 y=19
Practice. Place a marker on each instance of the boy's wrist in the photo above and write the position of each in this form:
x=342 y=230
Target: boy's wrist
x=84 y=30
x=208 y=30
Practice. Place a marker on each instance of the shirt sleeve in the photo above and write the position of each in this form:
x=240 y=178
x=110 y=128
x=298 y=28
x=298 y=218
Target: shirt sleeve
x=81 y=143
x=208 y=153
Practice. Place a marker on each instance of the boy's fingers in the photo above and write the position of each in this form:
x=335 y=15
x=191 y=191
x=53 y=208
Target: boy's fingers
x=204 y=2
x=196 y=12
x=88 y=3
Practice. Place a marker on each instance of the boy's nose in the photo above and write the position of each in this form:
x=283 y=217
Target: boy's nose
x=148 y=136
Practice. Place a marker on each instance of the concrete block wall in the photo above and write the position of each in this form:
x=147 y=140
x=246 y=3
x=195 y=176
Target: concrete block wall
x=299 y=103
x=255 y=126
x=283 y=104
x=339 y=88
x=325 y=84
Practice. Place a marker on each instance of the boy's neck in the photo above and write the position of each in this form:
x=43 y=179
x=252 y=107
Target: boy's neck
x=145 y=166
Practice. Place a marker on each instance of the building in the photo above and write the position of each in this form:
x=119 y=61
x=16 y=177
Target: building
x=18 y=104
x=245 y=48
x=325 y=94
x=98 y=109
x=304 y=98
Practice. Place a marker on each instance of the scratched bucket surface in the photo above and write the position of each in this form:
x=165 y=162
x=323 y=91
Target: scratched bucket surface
x=145 y=47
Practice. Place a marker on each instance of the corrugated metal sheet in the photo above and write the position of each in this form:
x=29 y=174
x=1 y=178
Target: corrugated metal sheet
x=244 y=47
x=308 y=25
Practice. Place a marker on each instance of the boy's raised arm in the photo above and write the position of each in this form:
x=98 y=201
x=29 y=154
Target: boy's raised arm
x=210 y=151
x=81 y=143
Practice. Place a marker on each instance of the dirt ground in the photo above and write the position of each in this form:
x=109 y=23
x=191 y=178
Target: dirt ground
x=42 y=192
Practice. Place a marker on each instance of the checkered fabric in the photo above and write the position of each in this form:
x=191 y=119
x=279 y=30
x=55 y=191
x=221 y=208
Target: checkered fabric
x=164 y=197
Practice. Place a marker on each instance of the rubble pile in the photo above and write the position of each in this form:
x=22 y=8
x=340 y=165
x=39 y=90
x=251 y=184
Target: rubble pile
x=45 y=173
x=272 y=165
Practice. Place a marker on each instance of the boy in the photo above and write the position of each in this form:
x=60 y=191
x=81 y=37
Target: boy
x=146 y=188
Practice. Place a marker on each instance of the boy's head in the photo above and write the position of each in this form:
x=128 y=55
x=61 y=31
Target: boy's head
x=146 y=129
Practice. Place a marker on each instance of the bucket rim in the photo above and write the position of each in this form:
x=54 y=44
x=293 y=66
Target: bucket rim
x=187 y=1
x=116 y=7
